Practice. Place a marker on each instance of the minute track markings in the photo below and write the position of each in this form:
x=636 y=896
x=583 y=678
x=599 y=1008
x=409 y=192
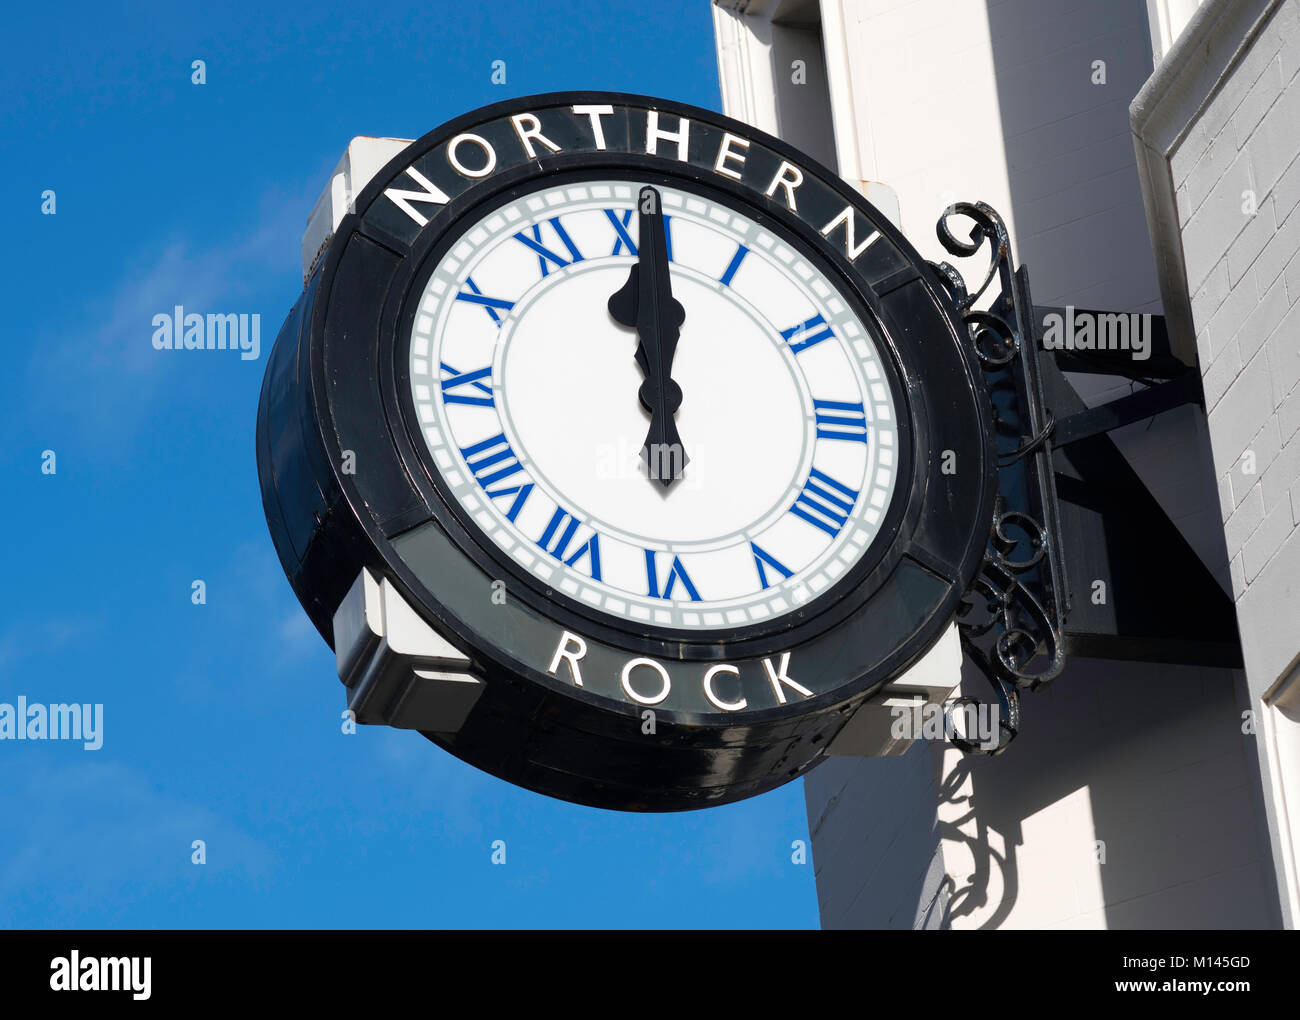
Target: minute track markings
x=732 y=582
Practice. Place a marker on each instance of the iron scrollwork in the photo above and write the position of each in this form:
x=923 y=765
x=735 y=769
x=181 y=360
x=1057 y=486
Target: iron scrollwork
x=1011 y=619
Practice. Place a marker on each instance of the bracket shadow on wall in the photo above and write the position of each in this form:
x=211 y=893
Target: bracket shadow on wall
x=1082 y=560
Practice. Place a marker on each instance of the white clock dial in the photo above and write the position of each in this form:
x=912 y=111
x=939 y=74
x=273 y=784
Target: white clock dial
x=526 y=392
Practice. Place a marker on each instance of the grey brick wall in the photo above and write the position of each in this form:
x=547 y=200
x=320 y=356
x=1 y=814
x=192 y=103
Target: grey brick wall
x=1236 y=171
x=1218 y=137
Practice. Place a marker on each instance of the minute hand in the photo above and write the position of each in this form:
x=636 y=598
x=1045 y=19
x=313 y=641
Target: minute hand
x=646 y=303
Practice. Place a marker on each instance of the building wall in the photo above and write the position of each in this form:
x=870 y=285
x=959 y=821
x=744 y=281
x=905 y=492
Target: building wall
x=1023 y=104
x=1221 y=125
x=960 y=98
x=1132 y=797
x=1128 y=801
x=1145 y=817
x=875 y=831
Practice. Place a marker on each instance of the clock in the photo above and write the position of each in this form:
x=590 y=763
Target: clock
x=533 y=401
x=623 y=451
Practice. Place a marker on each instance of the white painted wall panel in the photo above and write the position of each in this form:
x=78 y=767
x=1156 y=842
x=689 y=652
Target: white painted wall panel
x=955 y=99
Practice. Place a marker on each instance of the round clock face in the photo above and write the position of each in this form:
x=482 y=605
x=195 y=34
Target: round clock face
x=528 y=397
x=623 y=451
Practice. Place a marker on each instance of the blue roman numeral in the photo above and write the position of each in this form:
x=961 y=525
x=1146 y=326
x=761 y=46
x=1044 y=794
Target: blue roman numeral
x=825 y=503
x=520 y=492
x=472 y=381
x=761 y=556
x=619 y=222
x=490 y=304
x=675 y=573
x=810 y=332
x=733 y=265
x=545 y=254
x=839 y=419
x=557 y=542
x=492 y=461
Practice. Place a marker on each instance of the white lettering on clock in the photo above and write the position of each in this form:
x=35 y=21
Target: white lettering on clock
x=653 y=133
x=595 y=113
x=531 y=132
x=714 y=700
x=571 y=656
x=777 y=676
x=431 y=194
x=851 y=249
x=788 y=177
x=725 y=153
x=626 y=680
x=489 y=155
x=571 y=649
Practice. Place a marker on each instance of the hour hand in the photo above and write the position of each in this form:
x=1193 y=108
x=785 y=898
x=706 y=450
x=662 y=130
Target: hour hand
x=646 y=303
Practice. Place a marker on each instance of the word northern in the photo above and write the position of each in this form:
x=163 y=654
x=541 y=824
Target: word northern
x=53 y=722
x=472 y=157
x=179 y=330
x=1098 y=331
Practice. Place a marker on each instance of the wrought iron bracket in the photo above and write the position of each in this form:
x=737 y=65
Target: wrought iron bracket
x=1071 y=514
x=1011 y=620
x=1182 y=389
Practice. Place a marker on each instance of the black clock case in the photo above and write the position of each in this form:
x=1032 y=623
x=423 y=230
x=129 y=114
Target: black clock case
x=334 y=383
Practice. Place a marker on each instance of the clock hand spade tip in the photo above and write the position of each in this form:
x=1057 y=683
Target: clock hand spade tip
x=623 y=302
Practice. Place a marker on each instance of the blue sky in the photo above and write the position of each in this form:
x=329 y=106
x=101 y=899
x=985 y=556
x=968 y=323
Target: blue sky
x=221 y=720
